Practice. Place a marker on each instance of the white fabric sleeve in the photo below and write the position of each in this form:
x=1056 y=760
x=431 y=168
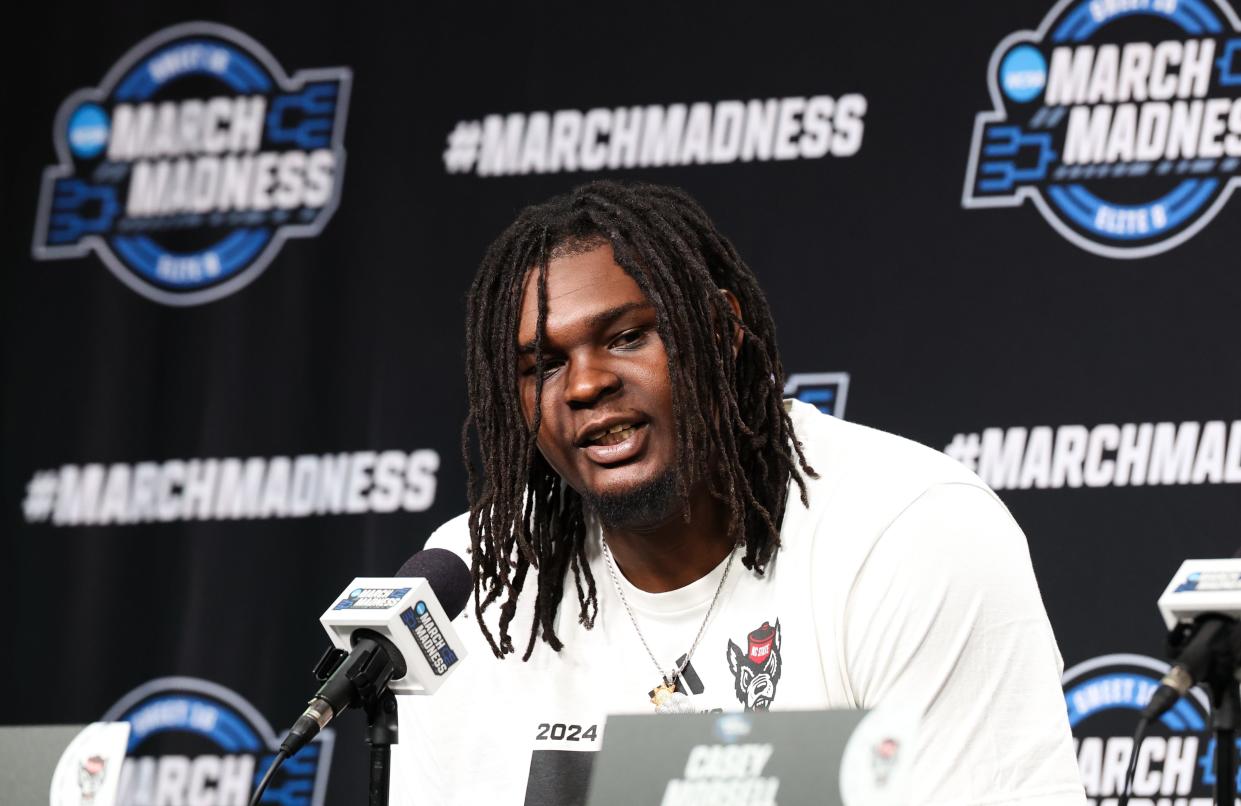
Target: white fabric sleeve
x=945 y=619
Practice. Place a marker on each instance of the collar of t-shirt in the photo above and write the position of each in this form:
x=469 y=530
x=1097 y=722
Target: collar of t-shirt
x=697 y=595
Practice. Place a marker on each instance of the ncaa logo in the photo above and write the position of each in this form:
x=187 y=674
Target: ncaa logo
x=193 y=741
x=1104 y=696
x=192 y=163
x=826 y=391
x=1120 y=121
x=731 y=727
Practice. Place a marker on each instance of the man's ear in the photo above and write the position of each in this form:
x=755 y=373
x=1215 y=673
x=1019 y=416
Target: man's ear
x=738 y=333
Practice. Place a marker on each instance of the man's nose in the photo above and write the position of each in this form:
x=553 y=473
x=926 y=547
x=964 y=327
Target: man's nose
x=589 y=381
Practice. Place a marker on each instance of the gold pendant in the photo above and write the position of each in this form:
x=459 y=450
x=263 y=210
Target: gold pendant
x=663 y=693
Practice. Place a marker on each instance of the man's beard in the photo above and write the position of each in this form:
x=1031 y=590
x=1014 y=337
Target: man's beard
x=648 y=504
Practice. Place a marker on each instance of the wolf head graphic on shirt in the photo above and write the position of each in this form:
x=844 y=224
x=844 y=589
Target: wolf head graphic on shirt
x=756 y=671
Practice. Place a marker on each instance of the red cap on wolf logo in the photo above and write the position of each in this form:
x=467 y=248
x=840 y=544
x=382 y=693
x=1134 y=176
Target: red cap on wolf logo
x=760 y=643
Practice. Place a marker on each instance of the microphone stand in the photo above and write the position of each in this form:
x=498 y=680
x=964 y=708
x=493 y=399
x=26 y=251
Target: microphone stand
x=1221 y=680
x=381 y=734
x=379 y=704
x=1225 y=715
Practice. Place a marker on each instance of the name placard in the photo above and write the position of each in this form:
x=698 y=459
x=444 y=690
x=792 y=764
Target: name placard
x=853 y=758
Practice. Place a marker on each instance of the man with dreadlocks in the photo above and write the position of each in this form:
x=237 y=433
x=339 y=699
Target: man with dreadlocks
x=654 y=528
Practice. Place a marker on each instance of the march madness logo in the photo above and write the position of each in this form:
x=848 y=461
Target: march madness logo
x=756 y=671
x=1105 y=696
x=192 y=741
x=192 y=162
x=1120 y=121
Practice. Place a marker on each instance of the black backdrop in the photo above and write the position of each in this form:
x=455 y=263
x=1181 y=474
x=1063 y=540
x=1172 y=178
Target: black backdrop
x=948 y=320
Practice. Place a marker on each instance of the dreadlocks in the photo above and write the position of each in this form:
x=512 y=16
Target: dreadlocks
x=732 y=429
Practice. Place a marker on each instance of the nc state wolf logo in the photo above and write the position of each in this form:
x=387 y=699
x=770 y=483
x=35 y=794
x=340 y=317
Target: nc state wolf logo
x=757 y=671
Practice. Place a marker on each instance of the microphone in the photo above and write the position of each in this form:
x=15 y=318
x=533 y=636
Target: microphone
x=398 y=634
x=1200 y=608
x=1192 y=664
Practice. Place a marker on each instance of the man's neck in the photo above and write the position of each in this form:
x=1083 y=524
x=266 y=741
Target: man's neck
x=672 y=554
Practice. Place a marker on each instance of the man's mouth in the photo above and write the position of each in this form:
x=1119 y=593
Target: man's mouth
x=615 y=443
x=614 y=435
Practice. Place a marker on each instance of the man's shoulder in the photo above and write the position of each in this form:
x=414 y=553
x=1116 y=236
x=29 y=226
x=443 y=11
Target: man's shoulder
x=856 y=457
x=873 y=484
x=454 y=535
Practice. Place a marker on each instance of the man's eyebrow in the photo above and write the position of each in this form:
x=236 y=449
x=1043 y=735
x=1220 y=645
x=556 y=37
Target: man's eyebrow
x=597 y=320
x=604 y=318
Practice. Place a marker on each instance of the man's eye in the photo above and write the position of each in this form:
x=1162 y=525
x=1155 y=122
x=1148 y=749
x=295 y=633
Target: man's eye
x=630 y=338
x=549 y=368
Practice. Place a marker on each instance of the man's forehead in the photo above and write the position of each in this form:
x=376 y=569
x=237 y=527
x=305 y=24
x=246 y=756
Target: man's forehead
x=577 y=288
x=581 y=289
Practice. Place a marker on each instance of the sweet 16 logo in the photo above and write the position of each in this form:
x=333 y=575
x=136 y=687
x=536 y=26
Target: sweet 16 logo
x=1175 y=764
x=1119 y=119
x=193 y=741
x=190 y=164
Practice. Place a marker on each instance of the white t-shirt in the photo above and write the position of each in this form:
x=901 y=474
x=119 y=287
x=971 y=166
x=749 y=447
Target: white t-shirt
x=905 y=582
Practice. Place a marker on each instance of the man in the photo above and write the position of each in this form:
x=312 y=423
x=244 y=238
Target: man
x=654 y=528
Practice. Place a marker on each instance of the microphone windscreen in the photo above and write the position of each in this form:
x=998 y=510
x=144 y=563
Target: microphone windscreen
x=446 y=573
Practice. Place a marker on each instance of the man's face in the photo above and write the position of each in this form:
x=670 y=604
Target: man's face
x=607 y=424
